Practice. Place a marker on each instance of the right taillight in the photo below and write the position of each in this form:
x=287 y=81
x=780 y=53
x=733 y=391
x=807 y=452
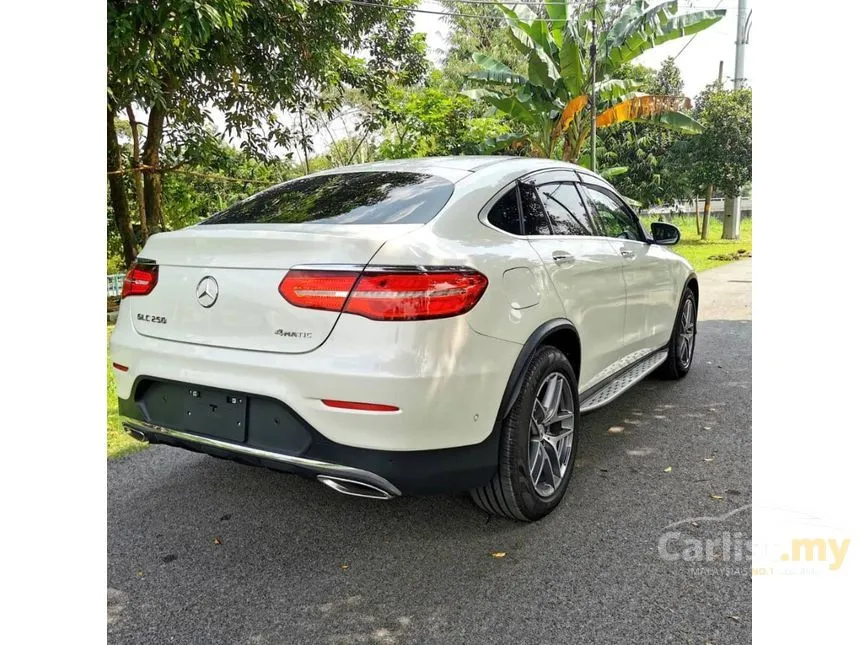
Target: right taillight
x=140 y=280
x=383 y=294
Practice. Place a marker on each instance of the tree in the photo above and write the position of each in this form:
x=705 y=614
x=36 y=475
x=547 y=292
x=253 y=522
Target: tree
x=550 y=103
x=648 y=150
x=181 y=61
x=427 y=121
x=721 y=156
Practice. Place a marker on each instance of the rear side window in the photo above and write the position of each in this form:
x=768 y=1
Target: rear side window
x=505 y=214
x=565 y=209
x=534 y=218
x=345 y=198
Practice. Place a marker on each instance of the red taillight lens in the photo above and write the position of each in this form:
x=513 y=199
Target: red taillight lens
x=415 y=296
x=325 y=290
x=386 y=295
x=140 y=280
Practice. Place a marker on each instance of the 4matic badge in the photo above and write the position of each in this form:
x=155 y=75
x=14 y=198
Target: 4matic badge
x=293 y=334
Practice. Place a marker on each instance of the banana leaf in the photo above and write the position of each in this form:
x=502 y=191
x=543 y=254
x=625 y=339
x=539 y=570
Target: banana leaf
x=640 y=108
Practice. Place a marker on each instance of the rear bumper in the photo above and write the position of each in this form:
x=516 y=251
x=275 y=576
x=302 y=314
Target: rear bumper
x=446 y=379
x=300 y=449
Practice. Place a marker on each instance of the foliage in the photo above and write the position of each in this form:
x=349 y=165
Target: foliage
x=722 y=154
x=550 y=102
x=655 y=174
x=427 y=121
x=184 y=61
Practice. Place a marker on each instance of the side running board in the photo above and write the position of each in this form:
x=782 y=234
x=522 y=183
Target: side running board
x=623 y=382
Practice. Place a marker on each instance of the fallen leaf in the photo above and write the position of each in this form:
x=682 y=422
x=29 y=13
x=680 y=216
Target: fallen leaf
x=716 y=497
x=737 y=619
x=667 y=470
x=706 y=428
x=696 y=524
x=616 y=429
x=708 y=459
x=344 y=567
x=498 y=554
x=217 y=540
x=140 y=574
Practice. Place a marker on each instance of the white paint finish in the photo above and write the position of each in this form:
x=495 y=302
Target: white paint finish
x=521 y=287
x=446 y=376
x=440 y=373
x=653 y=293
x=592 y=290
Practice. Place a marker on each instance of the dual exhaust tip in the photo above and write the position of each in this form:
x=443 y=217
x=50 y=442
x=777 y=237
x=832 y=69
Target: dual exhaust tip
x=342 y=485
x=354 y=487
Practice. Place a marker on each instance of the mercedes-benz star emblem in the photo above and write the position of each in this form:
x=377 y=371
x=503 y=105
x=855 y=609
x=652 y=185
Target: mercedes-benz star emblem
x=207 y=291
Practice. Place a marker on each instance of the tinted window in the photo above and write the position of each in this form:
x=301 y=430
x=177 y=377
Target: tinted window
x=346 y=198
x=534 y=218
x=565 y=209
x=505 y=214
x=611 y=217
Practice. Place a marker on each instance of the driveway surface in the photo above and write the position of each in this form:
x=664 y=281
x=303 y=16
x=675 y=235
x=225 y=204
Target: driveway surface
x=206 y=551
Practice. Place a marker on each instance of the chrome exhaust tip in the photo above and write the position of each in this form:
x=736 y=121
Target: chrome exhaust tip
x=354 y=487
x=134 y=432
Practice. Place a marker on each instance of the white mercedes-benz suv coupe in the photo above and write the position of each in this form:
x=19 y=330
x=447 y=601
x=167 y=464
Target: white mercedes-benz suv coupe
x=404 y=327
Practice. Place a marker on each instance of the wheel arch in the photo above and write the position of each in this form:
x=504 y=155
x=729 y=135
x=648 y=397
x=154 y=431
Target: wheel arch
x=560 y=333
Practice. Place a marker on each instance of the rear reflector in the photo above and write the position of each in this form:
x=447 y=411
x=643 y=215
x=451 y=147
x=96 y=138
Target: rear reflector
x=353 y=405
x=140 y=280
x=121 y=368
x=409 y=294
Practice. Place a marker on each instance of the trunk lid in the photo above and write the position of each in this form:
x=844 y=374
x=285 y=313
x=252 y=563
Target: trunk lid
x=218 y=284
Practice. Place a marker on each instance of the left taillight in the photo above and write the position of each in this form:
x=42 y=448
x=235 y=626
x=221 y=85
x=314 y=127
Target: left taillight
x=386 y=294
x=140 y=279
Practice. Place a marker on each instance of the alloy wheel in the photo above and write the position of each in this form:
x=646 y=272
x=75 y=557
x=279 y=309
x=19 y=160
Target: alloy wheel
x=551 y=434
x=687 y=333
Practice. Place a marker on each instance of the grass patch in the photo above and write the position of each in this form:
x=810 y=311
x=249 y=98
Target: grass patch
x=699 y=251
x=118 y=442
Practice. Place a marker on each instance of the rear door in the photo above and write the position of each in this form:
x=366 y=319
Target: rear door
x=218 y=282
x=651 y=298
x=585 y=270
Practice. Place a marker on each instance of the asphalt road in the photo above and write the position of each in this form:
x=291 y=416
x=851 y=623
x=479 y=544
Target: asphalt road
x=206 y=551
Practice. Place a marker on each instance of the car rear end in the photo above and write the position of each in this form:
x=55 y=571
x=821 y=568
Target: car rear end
x=268 y=334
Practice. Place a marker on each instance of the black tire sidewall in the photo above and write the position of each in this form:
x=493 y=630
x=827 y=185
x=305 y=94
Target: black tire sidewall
x=546 y=360
x=679 y=370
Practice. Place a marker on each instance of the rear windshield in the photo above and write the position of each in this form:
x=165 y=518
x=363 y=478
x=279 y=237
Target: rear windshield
x=348 y=198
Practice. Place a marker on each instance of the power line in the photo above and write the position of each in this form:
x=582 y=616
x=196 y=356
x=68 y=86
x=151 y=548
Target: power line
x=676 y=57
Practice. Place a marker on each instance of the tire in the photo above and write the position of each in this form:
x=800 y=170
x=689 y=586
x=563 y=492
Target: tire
x=513 y=492
x=679 y=361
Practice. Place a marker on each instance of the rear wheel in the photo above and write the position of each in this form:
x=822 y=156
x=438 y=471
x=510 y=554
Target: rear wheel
x=538 y=442
x=683 y=340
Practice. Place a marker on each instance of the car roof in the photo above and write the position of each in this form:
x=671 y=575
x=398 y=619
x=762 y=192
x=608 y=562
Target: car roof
x=456 y=167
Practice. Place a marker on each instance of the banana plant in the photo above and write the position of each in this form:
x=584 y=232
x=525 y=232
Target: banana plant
x=552 y=103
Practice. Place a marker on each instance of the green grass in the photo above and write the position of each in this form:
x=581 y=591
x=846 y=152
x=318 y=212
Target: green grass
x=118 y=442
x=699 y=251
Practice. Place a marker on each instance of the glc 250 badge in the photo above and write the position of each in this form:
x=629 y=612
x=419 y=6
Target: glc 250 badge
x=161 y=320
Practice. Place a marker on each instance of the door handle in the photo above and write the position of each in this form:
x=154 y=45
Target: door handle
x=560 y=257
x=627 y=254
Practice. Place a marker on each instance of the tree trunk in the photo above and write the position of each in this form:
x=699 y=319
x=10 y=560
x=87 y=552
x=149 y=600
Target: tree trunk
x=118 y=198
x=706 y=215
x=698 y=226
x=138 y=176
x=152 y=178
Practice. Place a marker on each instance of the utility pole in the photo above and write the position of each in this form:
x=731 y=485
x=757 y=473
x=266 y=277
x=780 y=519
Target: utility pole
x=732 y=212
x=593 y=86
x=709 y=189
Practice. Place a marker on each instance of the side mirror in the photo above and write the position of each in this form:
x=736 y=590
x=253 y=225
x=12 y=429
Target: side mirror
x=665 y=234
